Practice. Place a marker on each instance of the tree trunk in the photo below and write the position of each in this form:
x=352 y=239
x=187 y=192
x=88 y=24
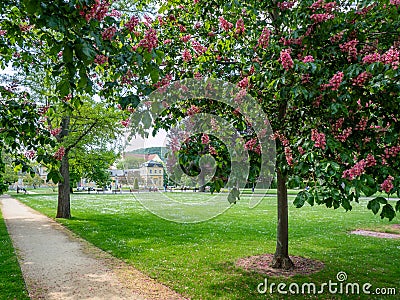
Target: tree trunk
x=281 y=257
x=63 y=208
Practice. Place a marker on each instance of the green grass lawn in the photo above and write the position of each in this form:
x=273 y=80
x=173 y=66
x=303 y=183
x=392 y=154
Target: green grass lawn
x=198 y=260
x=12 y=285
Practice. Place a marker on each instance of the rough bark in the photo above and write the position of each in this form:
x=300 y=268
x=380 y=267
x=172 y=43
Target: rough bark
x=281 y=257
x=63 y=208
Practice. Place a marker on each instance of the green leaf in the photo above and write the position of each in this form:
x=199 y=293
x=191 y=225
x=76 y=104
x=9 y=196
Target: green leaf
x=398 y=206
x=388 y=212
x=346 y=204
x=67 y=54
x=300 y=199
x=374 y=206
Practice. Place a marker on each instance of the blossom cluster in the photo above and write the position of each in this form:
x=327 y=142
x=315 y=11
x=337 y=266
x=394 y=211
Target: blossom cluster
x=308 y=58
x=263 y=40
x=55 y=132
x=319 y=18
x=225 y=25
x=200 y=49
x=192 y=110
x=30 y=154
x=132 y=23
x=334 y=82
x=253 y=145
x=150 y=40
x=100 y=59
x=387 y=184
x=205 y=139
x=285 y=5
x=362 y=124
x=392 y=151
x=357 y=170
x=59 y=153
x=361 y=79
x=286 y=59
x=109 y=33
x=240 y=26
x=350 y=48
x=186 y=55
x=318 y=138
x=98 y=11
x=244 y=83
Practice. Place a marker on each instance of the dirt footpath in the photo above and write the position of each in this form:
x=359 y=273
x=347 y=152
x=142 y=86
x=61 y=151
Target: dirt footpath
x=58 y=265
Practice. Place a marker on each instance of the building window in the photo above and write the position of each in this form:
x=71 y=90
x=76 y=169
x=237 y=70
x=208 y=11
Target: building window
x=151 y=171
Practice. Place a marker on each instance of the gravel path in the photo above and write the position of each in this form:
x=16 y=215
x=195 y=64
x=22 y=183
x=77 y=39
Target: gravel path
x=58 y=265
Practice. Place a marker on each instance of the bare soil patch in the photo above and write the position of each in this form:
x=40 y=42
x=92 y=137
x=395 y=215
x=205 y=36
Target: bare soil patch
x=261 y=264
x=382 y=235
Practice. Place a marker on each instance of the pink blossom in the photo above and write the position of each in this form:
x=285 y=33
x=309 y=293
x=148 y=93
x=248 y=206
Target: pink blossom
x=100 y=59
x=148 y=20
x=225 y=24
x=286 y=59
x=337 y=37
x=132 y=23
x=205 y=139
x=240 y=26
x=98 y=11
x=193 y=110
x=126 y=122
x=198 y=76
x=395 y=2
x=43 y=110
x=344 y=135
x=301 y=150
x=350 y=48
x=263 y=40
x=357 y=170
x=391 y=57
x=67 y=98
x=59 y=153
x=30 y=154
x=362 y=125
x=392 y=151
x=318 y=139
x=371 y=58
x=186 y=38
x=108 y=33
x=186 y=55
x=334 y=82
x=3 y=32
x=212 y=150
x=55 y=132
x=150 y=40
x=167 y=41
x=182 y=28
x=251 y=144
x=200 y=49
x=316 y=5
x=289 y=156
x=285 y=5
x=387 y=185
x=361 y=79
x=319 y=18
x=308 y=58
x=244 y=83
x=370 y=160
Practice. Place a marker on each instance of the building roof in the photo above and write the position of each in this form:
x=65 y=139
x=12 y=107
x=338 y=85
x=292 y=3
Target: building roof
x=153 y=163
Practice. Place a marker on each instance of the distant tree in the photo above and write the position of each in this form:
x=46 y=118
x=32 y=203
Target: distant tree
x=136 y=184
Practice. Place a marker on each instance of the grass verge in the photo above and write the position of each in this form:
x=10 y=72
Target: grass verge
x=12 y=285
x=198 y=260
